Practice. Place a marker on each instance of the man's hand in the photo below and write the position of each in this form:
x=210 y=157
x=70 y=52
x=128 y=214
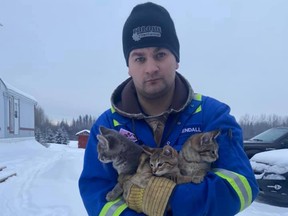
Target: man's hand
x=153 y=199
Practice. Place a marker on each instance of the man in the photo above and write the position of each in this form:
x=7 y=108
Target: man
x=158 y=107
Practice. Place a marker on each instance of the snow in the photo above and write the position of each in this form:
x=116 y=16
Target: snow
x=12 y=88
x=274 y=162
x=276 y=157
x=46 y=183
x=83 y=131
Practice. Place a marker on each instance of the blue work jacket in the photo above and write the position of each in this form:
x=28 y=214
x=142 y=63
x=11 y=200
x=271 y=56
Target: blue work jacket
x=227 y=189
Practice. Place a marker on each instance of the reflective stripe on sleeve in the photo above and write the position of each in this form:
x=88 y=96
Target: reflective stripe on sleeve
x=113 y=208
x=239 y=183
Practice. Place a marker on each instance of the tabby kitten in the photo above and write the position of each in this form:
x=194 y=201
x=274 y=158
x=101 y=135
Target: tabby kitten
x=197 y=154
x=192 y=162
x=164 y=162
x=122 y=152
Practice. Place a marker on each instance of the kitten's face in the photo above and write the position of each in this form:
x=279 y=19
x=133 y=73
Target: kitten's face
x=209 y=147
x=107 y=140
x=162 y=160
x=205 y=144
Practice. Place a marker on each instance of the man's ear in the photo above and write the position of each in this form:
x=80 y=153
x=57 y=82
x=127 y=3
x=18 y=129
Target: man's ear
x=129 y=72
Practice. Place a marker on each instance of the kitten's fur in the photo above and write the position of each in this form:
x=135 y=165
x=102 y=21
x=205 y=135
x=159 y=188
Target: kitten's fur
x=197 y=154
x=133 y=165
x=122 y=152
x=191 y=164
x=164 y=162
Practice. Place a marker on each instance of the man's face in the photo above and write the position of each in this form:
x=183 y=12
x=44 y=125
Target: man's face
x=153 y=71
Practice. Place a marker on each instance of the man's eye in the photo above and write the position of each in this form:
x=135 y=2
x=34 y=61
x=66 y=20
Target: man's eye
x=160 y=55
x=140 y=59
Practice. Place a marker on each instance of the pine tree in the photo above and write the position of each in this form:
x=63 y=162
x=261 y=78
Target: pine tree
x=65 y=137
x=61 y=136
x=40 y=137
x=49 y=135
x=58 y=136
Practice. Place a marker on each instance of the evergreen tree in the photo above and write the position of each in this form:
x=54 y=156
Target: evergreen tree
x=58 y=136
x=65 y=137
x=49 y=135
x=48 y=130
x=39 y=137
x=61 y=136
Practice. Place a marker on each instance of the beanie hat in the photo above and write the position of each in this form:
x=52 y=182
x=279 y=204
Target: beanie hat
x=149 y=25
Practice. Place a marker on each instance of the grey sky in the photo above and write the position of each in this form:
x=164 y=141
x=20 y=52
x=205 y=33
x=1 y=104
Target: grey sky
x=68 y=53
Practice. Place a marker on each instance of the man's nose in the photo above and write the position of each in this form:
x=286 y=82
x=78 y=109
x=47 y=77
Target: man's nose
x=151 y=66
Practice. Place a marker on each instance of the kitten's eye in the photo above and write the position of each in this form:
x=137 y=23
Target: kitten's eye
x=206 y=140
x=151 y=165
x=160 y=164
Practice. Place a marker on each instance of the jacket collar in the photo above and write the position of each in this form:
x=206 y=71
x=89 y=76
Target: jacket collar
x=124 y=98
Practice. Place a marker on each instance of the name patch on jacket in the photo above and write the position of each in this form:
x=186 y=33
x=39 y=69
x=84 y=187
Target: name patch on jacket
x=194 y=129
x=128 y=134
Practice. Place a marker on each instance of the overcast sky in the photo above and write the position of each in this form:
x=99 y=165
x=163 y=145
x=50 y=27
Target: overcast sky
x=68 y=54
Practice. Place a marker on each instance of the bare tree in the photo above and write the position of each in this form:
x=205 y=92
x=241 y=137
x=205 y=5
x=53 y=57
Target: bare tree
x=253 y=125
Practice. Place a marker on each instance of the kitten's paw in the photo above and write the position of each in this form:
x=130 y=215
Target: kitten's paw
x=110 y=196
x=197 y=179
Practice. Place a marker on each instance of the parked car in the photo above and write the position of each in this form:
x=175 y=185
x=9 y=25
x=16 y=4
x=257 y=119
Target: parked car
x=271 y=139
x=271 y=172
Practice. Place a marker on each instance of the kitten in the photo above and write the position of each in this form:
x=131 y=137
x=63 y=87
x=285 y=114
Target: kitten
x=197 y=154
x=164 y=162
x=134 y=166
x=191 y=164
x=122 y=152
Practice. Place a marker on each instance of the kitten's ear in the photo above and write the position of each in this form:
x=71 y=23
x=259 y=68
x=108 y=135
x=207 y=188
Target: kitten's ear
x=168 y=151
x=205 y=138
x=209 y=136
x=148 y=150
x=110 y=133
x=103 y=130
x=216 y=133
x=102 y=141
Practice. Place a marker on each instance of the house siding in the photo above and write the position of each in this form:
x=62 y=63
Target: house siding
x=16 y=114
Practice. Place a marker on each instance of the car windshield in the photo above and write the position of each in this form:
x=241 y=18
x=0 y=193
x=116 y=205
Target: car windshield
x=270 y=135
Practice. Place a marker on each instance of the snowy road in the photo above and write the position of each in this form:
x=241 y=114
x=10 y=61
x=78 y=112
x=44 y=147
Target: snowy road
x=46 y=182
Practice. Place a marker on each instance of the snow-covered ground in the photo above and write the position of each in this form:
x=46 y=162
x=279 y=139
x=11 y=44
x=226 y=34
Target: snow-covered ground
x=46 y=181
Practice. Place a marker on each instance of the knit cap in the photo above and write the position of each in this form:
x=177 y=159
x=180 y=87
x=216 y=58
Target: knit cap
x=149 y=25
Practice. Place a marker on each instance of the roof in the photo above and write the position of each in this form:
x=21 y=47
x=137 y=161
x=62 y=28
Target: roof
x=83 y=132
x=12 y=89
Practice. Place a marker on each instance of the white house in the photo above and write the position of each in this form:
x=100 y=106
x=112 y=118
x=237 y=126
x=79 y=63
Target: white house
x=17 y=112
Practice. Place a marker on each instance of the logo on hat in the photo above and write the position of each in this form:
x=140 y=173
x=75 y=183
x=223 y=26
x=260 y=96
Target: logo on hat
x=146 y=31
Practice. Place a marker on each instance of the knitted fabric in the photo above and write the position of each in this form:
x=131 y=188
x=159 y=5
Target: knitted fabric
x=153 y=199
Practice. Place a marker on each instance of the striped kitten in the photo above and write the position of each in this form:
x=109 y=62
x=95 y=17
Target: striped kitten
x=191 y=164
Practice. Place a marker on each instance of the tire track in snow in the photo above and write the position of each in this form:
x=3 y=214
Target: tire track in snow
x=30 y=172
